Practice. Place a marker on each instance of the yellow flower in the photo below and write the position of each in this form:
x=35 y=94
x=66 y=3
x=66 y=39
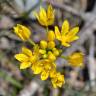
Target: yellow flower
x=44 y=17
x=45 y=67
x=22 y=31
x=27 y=57
x=76 y=59
x=66 y=36
x=48 y=67
x=57 y=80
x=24 y=58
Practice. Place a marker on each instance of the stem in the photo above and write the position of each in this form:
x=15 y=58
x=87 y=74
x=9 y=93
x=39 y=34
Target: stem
x=47 y=29
x=59 y=45
x=31 y=42
x=64 y=57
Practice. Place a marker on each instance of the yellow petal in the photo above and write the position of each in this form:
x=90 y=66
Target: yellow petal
x=27 y=51
x=25 y=65
x=54 y=83
x=65 y=44
x=65 y=27
x=50 y=11
x=53 y=73
x=37 y=69
x=42 y=13
x=50 y=15
x=51 y=36
x=26 y=32
x=57 y=33
x=38 y=18
x=21 y=57
x=44 y=75
x=22 y=31
x=74 y=38
x=33 y=59
x=18 y=33
x=43 y=16
x=73 y=31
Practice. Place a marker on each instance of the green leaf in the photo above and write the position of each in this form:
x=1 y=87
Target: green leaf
x=10 y=79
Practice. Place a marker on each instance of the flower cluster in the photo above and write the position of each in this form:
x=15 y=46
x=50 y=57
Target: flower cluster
x=42 y=57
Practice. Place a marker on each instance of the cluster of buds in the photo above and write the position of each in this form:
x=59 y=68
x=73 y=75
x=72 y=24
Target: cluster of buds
x=42 y=57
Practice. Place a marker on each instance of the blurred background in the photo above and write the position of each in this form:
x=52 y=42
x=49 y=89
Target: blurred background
x=79 y=81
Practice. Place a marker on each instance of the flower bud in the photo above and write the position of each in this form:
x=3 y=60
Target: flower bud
x=55 y=52
x=22 y=31
x=51 y=56
x=42 y=51
x=51 y=36
x=43 y=44
x=51 y=44
x=45 y=56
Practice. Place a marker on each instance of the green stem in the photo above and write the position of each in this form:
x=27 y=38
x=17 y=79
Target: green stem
x=64 y=57
x=31 y=42
x=47 y=29
x=59 y=45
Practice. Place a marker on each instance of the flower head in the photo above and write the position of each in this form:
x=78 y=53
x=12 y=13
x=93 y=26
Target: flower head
x=66 y=36
x=48 y=67
x=27 y=57
x=22 y=31
x=76 y=59
x=48 y=46
x=57 y=80
x=44 y=17
x=41 y=59
x=45 y=67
